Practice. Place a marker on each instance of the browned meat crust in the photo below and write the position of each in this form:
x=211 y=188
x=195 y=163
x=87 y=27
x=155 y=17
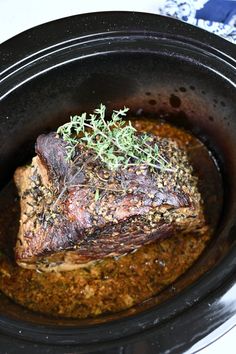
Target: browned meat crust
x=72 y=214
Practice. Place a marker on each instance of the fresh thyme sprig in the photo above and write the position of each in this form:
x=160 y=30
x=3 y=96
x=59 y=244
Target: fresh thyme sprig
x=115 y=141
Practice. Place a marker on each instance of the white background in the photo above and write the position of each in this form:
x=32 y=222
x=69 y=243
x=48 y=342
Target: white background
x=19 y=15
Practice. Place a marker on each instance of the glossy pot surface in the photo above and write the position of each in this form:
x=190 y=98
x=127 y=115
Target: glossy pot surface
x=154 y=65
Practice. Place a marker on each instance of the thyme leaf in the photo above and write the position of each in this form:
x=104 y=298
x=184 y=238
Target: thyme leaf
x=97 y=195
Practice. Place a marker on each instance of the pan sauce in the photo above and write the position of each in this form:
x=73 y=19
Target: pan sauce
x=112 y=284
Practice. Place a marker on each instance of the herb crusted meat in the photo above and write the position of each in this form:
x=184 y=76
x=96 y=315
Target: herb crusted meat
x=100 y=213
x=80 y=211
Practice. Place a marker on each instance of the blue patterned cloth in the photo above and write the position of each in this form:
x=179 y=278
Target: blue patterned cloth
x=217 y=16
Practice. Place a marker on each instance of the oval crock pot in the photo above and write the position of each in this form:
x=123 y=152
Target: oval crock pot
x=155 y=66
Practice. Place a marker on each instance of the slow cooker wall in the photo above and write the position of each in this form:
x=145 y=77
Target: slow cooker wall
x=193 y=95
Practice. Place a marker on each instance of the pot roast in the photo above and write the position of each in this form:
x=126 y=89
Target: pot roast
x=75 y=213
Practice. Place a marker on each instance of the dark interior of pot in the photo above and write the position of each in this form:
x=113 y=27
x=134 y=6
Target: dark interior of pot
x=190 y=93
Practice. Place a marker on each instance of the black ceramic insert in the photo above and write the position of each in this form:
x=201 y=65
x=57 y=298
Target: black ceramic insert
x=154 y=65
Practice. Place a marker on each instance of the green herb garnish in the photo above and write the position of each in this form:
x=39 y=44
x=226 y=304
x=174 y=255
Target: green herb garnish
x=115 y=141
x=97 y=194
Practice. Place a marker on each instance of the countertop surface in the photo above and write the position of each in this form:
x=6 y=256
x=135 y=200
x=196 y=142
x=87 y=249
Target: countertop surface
x=17 y=16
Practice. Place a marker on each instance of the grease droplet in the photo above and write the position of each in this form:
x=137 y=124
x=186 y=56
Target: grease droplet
x=175 y=101
x=182 y=89
x=152 y=102
x=222 y=103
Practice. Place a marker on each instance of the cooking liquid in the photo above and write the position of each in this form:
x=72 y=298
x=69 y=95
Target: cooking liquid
x=112 y=284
